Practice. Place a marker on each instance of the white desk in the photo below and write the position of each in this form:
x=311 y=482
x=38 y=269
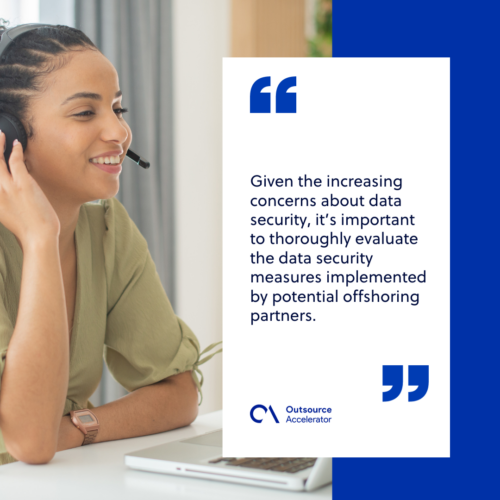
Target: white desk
x=98 y=471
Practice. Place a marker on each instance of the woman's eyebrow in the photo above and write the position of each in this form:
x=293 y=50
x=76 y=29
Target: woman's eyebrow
x=87 y=95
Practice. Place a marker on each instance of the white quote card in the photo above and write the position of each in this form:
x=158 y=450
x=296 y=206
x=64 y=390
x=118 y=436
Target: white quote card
x=336 y=257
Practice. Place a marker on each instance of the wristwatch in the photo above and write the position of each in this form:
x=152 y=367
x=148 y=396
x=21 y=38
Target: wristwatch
x=87 y=422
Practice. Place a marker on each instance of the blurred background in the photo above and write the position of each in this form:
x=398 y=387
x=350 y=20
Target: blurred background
x=168 y=54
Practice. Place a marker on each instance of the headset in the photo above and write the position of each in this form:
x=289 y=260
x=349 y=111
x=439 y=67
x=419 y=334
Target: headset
x=10 y=125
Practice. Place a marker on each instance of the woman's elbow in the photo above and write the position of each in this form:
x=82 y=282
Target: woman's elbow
x=187 y=397
x=31 y=453
x=29 y=446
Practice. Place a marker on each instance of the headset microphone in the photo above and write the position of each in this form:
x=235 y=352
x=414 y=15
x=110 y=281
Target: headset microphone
x=135 y=157
x=10 y=125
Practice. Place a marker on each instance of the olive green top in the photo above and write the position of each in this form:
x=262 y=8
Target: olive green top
x=121 y=309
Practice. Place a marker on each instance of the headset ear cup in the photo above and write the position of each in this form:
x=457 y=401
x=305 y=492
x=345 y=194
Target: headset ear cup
x=17 y=127
x=22 y=136
x=13 y=129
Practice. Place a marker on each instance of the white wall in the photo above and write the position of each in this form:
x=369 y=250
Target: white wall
x=20 y=11
x=38 y=11
x=201 y=39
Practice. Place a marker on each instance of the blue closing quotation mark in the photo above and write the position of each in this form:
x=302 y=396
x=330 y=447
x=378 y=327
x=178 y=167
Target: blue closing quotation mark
x=418 y=375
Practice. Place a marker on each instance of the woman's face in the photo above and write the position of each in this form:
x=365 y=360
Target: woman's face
x=76 y=119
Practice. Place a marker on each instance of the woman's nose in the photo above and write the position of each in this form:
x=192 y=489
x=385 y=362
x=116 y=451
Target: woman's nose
x=114 y=129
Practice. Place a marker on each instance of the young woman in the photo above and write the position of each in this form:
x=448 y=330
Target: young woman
x=76 y=278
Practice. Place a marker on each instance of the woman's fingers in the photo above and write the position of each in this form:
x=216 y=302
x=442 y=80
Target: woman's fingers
x=4 y=171
x=16 y=161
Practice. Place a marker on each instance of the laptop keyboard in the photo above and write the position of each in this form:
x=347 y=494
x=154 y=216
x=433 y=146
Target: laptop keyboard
x=275 y=464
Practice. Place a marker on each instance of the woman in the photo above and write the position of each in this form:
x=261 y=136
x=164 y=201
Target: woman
x=77 y=279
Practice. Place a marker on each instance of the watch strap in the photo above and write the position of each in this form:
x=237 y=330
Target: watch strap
x=90 y=436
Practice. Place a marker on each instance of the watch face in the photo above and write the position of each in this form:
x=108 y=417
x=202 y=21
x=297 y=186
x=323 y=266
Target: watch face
x=85 y=419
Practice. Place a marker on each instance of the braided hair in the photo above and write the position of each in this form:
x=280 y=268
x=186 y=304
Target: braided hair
x=28 y=59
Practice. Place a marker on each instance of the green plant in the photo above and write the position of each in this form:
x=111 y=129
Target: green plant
x=321 y=44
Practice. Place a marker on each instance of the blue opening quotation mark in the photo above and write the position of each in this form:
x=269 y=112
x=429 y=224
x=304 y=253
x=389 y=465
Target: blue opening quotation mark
x=286 y=102
x=260 y=102
x=418 y=375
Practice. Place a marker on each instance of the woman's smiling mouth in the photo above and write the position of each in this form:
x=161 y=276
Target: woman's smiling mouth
x=113 y=160
x=108 y=162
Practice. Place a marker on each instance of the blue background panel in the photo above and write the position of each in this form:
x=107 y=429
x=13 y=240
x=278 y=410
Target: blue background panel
x=468 y=33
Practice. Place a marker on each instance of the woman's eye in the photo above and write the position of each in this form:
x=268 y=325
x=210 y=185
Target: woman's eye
x=118 y=111
x=85 y=113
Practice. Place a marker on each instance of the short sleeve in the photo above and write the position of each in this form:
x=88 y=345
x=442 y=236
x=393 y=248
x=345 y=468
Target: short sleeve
x=145 y=341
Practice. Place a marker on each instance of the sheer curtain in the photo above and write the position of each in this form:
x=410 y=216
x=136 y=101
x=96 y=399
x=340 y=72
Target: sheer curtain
x=135 y=35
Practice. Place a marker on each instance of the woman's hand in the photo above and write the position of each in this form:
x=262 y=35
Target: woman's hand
x=24 y=208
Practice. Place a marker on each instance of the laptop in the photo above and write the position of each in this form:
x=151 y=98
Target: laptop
x=201 y=457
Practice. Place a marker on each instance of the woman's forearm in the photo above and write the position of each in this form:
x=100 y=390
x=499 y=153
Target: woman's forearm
x=160 y=407
x=35 y=378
